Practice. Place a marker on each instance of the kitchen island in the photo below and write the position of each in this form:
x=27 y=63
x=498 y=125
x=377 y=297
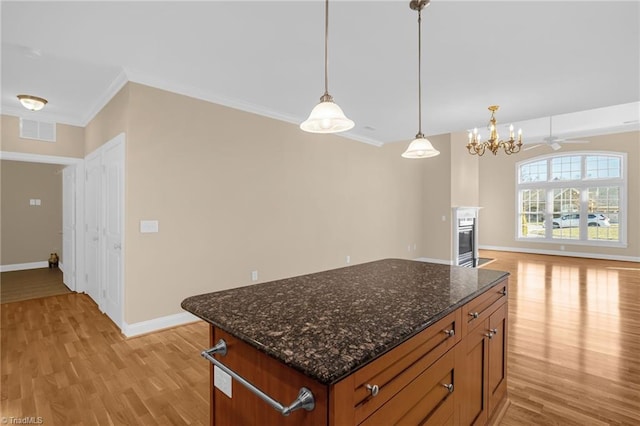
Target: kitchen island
x=391 y=341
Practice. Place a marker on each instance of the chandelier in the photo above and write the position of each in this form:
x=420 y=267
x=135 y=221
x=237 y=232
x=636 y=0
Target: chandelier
x=494 y=143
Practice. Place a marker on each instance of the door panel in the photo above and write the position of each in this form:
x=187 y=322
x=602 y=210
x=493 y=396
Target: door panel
x=69 y=226
x=498 y=357
x=93 y=227
x=113 y=211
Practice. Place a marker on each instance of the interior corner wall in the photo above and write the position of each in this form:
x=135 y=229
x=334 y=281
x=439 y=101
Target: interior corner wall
x=109 y=122
x=498 y=197
x=235 y=192
x=69 y=139
x=30 y=232
x=465 y=190
x=436 y=201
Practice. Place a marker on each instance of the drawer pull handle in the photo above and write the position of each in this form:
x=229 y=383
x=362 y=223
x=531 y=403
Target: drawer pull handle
x=304 y=400
x=494 y=331
x=503 y=292
x=474 y=315
x=449 y=387
x=373 y=389
x=490 y=335
x=450 y=333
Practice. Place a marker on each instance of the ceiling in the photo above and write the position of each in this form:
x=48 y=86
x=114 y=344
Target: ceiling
x=577 y=60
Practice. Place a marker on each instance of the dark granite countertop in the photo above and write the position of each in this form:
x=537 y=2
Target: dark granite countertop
x=328 y=324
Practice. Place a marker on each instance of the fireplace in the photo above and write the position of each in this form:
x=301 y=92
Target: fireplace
x=466 y=243
x=465 y=236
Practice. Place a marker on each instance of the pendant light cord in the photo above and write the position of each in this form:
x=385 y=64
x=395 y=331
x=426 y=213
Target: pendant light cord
x=326 y=48
x=419 y=72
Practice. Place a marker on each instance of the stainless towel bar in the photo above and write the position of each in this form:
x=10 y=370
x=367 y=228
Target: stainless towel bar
x=304 y=400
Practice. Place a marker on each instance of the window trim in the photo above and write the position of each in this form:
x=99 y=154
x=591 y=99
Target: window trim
x=583 y=185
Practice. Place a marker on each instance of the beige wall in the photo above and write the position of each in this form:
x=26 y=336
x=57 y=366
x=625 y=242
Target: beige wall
x=497 y=196
x=30 y=233
x=235 y=192
x=109 y=122
x=436 y=202
x=69 y=140
x=465 y=190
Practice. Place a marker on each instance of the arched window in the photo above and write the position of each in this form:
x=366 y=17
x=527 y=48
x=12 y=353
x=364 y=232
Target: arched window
x=578 y=198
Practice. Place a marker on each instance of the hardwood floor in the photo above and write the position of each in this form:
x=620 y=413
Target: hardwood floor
x=31 y=284
x=65 y=362
x=574 y=348
x=574 y=354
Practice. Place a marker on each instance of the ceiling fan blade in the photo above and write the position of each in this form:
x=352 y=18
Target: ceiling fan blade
x=552 y=139
x=576 y=141
x=531 y=147
x=555 y=146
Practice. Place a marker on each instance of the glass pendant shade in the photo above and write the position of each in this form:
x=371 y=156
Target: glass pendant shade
x=326 y=117
x=32 y=103
x=420 y=147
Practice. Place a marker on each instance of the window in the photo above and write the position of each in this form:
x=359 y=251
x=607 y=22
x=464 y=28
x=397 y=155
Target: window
x=577 y=198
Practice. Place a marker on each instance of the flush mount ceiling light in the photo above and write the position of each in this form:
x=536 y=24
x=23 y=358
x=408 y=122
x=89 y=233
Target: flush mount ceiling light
x=327 y=116
x=420 y=147
x=494 y=143
x=33 y=103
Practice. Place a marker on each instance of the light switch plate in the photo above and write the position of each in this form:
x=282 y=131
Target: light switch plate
x=148 y=226
x=222 y=381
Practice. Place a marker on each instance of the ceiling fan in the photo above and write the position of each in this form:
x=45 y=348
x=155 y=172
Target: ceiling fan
x=553 y=141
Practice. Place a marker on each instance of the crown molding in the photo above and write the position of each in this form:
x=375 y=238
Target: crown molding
x=193 y=92
x=113 y=89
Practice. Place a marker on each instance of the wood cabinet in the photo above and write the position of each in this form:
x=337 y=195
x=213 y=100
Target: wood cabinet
x=482 y=360
x=451 y=373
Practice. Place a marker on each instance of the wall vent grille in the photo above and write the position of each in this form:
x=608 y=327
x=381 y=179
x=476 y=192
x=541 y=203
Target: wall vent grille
x=38 y=130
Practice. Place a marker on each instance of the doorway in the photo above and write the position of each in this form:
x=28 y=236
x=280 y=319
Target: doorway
x=93 y=218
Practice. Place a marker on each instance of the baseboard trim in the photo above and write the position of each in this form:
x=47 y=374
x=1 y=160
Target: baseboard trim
x=430 y=260
x=156 y=324
x=24 y=266
x=563 y=253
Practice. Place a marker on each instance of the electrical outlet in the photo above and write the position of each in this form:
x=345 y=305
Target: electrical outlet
x=254 y=275
x=348 y=259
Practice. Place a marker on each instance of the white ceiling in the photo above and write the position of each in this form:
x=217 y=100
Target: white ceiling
x=533 y=58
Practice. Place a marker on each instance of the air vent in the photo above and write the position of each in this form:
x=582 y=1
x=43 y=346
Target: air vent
x=39 y=130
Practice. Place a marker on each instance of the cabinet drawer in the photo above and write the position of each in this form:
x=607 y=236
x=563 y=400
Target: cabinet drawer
x=482 y=306
x=427 y=400
x=395 y=370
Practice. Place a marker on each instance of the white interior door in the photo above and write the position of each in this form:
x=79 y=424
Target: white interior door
x=69 y=226
x=93 y=227
x=113 y=185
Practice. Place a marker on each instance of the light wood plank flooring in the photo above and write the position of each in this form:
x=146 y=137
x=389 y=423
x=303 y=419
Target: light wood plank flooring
x=574 y=354
x=574 y=342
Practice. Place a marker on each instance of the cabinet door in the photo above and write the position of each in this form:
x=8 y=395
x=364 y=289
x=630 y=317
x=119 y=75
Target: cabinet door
x=473 y=357
x=497 y=357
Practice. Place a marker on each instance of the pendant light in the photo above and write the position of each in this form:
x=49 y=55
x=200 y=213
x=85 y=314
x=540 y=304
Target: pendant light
x=327 y=116
x=420 y=147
